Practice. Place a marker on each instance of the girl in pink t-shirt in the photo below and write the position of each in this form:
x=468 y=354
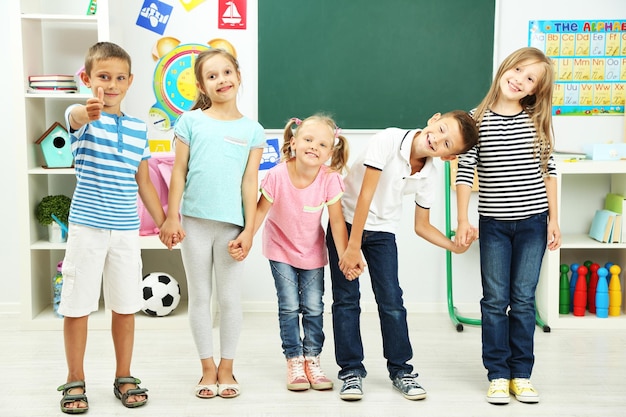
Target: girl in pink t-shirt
x=293 y=196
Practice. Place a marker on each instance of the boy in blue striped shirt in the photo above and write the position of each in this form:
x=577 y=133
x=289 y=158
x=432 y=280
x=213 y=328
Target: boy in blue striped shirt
x=111 y=155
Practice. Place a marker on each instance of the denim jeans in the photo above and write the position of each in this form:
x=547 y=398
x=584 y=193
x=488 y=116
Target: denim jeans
x=381 y=255
x=299 y=291
x=511 y=253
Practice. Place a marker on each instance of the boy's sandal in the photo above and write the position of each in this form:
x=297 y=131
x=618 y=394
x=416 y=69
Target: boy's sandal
x=72 y=398
x=223 y=388
x=123 y=396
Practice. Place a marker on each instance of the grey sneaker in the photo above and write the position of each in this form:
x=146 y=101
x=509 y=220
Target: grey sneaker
x=352 y=389
x=408 y=386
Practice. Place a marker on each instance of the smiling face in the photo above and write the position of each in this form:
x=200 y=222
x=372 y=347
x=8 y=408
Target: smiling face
x=220 y=79
x=521 y=80
x=113 y=75
x=313 y=143
x=440 y=138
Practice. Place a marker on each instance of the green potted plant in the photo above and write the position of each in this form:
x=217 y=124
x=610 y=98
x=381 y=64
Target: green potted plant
x=59 y=206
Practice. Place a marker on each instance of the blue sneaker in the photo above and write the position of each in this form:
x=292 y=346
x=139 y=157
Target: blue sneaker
x=408 y=386
x=352 y=389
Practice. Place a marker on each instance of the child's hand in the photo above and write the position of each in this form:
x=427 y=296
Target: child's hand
x=171 y=234
x=95 y=105
x=169 y=241
x=240 y=246
x=471 y=236
x=175 y=239
x=465 y=235
x=351 y=260
x=353 y=274
x=236 y=251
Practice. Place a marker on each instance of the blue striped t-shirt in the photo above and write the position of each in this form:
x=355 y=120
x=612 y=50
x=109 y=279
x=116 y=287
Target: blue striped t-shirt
x=107 y=153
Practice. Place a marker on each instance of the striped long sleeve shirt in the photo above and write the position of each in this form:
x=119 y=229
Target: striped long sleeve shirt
x=510 y=180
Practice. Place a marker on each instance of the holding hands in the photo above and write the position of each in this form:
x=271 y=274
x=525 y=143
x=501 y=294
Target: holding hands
x=351 y=263
x=171 y=233
x=465 y=235
x=240 y=247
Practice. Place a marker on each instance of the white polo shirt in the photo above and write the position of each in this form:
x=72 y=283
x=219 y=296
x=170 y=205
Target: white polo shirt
x=389 y=151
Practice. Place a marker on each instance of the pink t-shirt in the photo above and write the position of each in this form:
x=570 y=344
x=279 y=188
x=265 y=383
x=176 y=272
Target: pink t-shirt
x=293 y=233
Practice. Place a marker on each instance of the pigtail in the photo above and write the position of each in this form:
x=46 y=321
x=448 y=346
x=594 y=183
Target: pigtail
x=341 y=153
x=288 y=133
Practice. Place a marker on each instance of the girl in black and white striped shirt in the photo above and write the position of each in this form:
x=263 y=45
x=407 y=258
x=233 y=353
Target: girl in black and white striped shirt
x=517 y=214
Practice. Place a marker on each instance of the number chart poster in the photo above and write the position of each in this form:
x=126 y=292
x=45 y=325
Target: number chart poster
x=589 y=59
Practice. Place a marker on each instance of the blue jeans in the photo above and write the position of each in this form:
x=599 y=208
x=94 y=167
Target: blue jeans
x=299 y=291
x=381 y=255
x=511 y=253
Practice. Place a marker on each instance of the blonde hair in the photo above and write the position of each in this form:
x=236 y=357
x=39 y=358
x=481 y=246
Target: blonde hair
x=339 y=158
x=538 y=105
x=203 y=101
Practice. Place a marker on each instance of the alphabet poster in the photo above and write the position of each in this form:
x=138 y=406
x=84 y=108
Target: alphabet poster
x=589 y=59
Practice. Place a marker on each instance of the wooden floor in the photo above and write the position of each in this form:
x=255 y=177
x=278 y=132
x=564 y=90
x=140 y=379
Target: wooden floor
x=578 y=373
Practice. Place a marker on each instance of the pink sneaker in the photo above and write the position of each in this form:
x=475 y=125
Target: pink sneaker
x=296 y=378
x=315 y=375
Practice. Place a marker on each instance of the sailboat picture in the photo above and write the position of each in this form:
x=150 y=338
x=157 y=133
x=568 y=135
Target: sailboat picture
x=231 y=16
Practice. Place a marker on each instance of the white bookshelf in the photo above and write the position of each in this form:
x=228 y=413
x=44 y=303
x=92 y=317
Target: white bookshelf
x=582 y=187
x=55 y=36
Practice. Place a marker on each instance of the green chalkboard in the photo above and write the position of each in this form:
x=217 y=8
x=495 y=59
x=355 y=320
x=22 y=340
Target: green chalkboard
x=372 y=64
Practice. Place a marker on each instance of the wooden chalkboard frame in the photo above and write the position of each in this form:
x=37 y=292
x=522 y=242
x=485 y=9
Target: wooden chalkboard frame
x=372 y=64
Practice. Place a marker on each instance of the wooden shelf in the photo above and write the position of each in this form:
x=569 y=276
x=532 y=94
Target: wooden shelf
x=65 y=18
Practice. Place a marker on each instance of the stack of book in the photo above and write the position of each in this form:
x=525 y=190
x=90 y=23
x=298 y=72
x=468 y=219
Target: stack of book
x=607 y=223
x=51 y=83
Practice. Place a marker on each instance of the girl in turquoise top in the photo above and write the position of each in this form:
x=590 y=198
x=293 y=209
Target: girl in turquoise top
x=215 y=174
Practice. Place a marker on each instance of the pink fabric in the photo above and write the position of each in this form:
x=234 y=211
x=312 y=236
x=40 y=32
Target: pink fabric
x=293 y=233
x=160 y=166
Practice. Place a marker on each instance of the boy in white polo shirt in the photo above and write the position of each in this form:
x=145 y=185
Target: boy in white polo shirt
x=396 y=162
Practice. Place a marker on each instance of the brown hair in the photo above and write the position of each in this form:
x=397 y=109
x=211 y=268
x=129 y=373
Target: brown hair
x=202 y=100
x=538 y=106
x=105 y=50
x=341 y=152
x=469 y=130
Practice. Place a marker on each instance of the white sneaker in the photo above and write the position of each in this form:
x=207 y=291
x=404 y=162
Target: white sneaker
x=498 y=392
x=523 y=390
x=352 y=389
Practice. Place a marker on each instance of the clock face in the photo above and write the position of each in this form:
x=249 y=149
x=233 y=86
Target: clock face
x=174 y=81
x=159 y=119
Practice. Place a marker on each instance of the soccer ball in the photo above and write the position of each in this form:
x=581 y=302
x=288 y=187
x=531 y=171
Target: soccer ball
x=161 y=294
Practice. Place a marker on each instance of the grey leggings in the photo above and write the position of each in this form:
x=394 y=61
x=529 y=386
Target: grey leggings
x=204 y=249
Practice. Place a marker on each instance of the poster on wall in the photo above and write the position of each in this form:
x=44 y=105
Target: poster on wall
x=164 y=38
x=589 y=64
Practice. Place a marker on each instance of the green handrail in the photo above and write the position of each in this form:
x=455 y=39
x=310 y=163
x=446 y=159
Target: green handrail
x=456 y=318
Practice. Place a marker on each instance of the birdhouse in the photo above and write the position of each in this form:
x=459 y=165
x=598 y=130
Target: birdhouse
x=55 y=145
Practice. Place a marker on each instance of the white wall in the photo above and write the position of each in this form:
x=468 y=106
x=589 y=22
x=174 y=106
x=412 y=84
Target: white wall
x=422 y=266
x=9 y=254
